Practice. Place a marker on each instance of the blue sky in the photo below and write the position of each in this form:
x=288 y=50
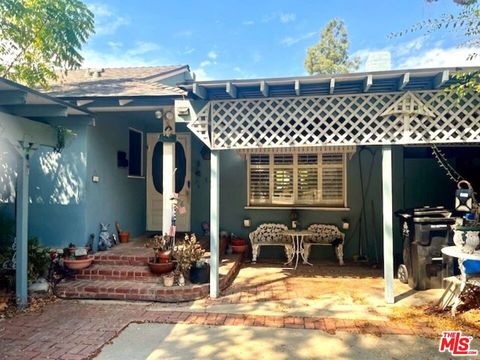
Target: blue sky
x=244 y=39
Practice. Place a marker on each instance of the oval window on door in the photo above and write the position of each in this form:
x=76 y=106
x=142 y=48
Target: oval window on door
x=181 y=165
x=157 y=167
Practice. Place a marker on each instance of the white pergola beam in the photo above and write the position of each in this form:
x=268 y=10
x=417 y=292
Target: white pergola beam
x=368 y=83
x=38 y=110
x=12 y=97
x=404 y=80
x=264 y=88
x=297 y=88
x=15 y=129
x=123 y=102
x=214 y=224
x=199 y=91
x=440 y=79
x=83 y=102
x=332 y=85
x=231 y=90
x=387 y=195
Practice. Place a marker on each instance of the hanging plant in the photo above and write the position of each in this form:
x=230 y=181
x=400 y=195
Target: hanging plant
x=63 y=134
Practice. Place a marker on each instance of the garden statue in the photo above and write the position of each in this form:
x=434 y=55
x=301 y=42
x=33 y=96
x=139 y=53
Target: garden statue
x=106 y=241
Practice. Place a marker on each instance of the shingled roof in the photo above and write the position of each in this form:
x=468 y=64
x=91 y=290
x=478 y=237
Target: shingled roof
x=127 y=81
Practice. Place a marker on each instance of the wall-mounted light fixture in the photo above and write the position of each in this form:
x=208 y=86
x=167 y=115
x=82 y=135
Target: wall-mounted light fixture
x=158 y=114
x=345 y=225
x=247 y=222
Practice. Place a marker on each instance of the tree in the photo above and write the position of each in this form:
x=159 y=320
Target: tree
x=330 y=55
x=40 y=37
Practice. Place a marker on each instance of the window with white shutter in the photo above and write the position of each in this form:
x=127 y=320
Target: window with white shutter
x=297 y=179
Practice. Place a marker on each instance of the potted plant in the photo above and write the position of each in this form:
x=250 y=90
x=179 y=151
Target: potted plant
x=238 y=245
x=71 y=249
x=467 y=237
x=161 y=262
x=168 y=279
x=123 y=236
x=77 y=260
x=189 y=255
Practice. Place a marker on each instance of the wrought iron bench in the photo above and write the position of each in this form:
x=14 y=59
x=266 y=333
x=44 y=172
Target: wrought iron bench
x=324 y=235
x=270 y=235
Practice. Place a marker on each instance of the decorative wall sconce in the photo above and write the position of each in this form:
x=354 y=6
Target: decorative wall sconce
x=345 y=225
x=247 y=223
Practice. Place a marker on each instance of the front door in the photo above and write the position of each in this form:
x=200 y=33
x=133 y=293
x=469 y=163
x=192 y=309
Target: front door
x=155 y=181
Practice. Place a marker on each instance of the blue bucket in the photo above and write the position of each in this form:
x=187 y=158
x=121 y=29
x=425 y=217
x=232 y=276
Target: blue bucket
x=472 y=266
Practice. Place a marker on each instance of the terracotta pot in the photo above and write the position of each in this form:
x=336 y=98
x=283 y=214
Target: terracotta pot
x=164 y=256
x=237 y=242
x=78 y=264
x=239 y=249
x=124 y=236
x=161 y=268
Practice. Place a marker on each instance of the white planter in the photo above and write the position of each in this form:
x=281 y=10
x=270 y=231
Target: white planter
x=467 y=239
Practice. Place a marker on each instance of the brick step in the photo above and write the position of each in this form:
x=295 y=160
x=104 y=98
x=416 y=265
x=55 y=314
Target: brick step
x=107 y=259
x=140 y=288
x=129 y=290
x=117 y=272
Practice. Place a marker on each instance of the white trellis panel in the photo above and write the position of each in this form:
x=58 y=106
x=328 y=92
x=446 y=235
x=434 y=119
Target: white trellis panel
x=359 y=119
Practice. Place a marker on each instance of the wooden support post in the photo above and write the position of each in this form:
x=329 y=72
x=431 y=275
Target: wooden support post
x=168 y=184
x=387 y=223
x=22 y=231
x=214 y=223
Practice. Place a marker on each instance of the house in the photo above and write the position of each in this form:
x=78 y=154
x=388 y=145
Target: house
x=349 y=148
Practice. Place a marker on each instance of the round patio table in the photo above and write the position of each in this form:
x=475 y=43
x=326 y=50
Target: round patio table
x=297 y=237
x=454 y=251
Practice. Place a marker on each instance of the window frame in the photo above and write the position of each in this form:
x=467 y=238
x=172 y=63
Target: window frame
x=296 y=204
x=142 y=150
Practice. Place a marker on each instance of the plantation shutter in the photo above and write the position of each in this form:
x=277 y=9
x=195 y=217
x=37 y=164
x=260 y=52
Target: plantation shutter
x=332 y=179
x=311 y=179
x=307 y=185
x=259 y=179
x=283 y=179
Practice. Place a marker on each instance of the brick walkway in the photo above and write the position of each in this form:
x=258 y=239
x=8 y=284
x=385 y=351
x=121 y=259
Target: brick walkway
x=71 y=330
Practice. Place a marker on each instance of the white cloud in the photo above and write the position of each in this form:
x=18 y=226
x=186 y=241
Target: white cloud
x=115 y=44
x=205 y=63
x=107 y=21
x=439 y=57
x=142 y=54
x=188 y=50
x=248 y=22
x=416 y=53
x=212 y=55
x=201 y=74
x=286 y=18
x=292 y=40
x=142 y=47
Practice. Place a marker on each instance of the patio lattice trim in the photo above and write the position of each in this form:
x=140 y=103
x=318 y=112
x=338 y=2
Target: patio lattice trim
x=360 y=119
